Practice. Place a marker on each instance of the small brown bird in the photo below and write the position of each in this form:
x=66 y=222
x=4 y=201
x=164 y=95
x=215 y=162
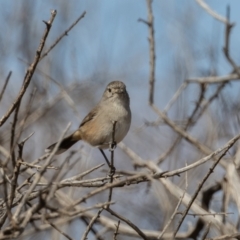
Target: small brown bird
x=96 y=128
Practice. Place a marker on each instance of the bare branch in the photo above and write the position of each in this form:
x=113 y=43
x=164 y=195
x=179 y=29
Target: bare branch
x=132 y=225
x=38 y=177
x=65 y=33
x=5 y=85
x=214 y=79
x=211 y=12
x=152 y=55
x=31 y=69
x=200 y=187
x=84 y=237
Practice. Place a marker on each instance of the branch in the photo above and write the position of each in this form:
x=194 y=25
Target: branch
x=199 y=162
x=174 y=212
x=211 y=12
x=116 y=232
x=228 y=28
x=37 y=177
x=227 y=236
x=200 y=187
x=31 y=69
x=112 y=168
x=5 y=85
x=84 y=237
x=214 y=79
x=152 y=55
x=140 y=233
x=65 y=33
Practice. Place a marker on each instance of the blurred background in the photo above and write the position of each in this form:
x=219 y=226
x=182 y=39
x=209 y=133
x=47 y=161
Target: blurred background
x=109 y=43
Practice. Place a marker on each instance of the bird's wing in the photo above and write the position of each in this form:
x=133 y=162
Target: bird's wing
x=89 y=117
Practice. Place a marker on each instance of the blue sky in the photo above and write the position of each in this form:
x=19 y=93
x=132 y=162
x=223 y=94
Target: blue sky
x=110 y=43
x=110 y=30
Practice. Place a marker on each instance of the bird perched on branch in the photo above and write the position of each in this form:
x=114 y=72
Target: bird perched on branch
x=97 y=127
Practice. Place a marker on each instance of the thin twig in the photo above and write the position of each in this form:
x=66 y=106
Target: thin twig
x=116 y=232
x=5 y=85
x=140 y=233
x=189 y=123
x=181 y=131
x=227 y=236
x=16 y=170
x=112 y=168
x=59 y=230
x=38 y=177
x=209 y=214
x=30 y=70
x=93 y=230
x=63 y=89
x=228 y=28
x=136 y=179
x=214 y=79
x=81 y=175
x=151 y=52
x=56 y=177
x=36 y=166
x=206 y=231
x=26 y=115
x=13 y=129
x=94 y=183
x=211 y=12
x=200 y=187
x=152 y=56
x=84 y=237
x=140 y=162
x=15 y=118
x=175 y=211
x=65 y=33
x=175 y=96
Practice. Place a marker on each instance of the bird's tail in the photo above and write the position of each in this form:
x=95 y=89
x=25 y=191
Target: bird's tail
x=65 y=144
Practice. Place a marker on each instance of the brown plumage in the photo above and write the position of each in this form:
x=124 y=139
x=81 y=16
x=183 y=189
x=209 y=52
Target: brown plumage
x=96 y=127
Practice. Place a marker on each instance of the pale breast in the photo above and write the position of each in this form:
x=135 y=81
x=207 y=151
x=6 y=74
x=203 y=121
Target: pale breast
x=123 y=119
x=98 y=130
x=120 y=114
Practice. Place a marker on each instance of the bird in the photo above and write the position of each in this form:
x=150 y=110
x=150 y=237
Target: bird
x=97 y=127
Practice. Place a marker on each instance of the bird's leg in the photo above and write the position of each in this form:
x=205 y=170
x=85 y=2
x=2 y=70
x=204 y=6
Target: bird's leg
x=112 y=146
x=105 y=157
x=111 y=167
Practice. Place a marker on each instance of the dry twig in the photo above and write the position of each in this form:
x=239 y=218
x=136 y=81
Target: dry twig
x=31 y=69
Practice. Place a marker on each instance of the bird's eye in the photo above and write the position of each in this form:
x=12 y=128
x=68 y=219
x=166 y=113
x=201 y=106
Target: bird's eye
x=109 y=90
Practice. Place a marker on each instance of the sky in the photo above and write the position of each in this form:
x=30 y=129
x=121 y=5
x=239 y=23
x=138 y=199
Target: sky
x=110 y=30
x=110 y=40
x=110 y=43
